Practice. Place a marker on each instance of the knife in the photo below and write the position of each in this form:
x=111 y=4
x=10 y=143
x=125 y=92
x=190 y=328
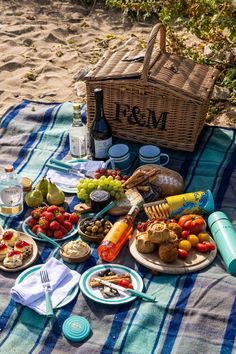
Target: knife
x=124 y=291
x=66 y=170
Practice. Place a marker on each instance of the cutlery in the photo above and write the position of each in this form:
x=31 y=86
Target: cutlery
x=54 y=243
x=124 y=291
x=46 y=285
x=66 y=170
x=103 y=211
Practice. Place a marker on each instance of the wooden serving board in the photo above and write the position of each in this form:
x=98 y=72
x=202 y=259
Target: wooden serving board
x=194 y=262
x=27 y=261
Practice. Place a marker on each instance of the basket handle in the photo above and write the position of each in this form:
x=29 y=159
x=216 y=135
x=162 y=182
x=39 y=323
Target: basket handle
x=147 y=58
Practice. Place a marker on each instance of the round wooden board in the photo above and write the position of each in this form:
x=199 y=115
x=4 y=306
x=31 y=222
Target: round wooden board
x=193 y=263
x=27 y=261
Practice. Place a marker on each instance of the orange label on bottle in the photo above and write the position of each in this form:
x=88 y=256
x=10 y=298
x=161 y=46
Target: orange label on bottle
x=116 y=232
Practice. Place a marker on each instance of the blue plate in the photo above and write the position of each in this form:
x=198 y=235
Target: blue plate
x=28 y=232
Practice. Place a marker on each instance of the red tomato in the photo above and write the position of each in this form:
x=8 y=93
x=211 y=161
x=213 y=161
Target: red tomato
x=192 y=223
x=182 y=253
x=201 y=247
x=125 y=283
x=185 y=234
x=210 y=245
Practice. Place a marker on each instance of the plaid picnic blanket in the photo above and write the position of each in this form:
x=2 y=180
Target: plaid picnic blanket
x=195 y=313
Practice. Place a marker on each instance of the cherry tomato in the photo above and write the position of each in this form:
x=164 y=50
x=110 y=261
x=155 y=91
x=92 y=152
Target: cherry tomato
x=185 y=234
x=193 y=223
x=201 y=247
x=210 y=245
x=185 y=245
x=203 y=236
x=182 y=253
x=125 y=283
x=193 y=239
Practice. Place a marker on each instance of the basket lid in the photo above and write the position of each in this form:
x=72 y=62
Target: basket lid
x=168 y=71
x=183 y=75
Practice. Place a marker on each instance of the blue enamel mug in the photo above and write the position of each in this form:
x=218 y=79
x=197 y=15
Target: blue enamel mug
x=151 y=154
x=119 y=157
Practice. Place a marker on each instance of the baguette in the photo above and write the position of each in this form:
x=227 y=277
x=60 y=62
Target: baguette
x=111 y=278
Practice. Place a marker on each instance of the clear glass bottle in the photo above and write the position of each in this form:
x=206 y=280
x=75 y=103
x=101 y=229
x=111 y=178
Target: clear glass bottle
x=78 y=134
x=11 y=193
x=117 y=236
x=100 y=130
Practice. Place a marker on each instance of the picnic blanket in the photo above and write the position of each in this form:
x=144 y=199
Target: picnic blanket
x=195 y=313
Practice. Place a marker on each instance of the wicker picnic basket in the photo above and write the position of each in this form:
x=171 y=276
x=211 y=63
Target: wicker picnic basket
x=152 y=97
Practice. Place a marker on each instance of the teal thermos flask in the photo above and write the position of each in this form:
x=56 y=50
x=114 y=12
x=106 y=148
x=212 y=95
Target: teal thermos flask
x=224 y=235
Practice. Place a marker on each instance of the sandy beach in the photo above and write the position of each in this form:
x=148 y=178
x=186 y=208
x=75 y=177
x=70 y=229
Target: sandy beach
x=47 y=47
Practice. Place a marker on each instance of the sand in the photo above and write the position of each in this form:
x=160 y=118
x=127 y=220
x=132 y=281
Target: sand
x=47 y=47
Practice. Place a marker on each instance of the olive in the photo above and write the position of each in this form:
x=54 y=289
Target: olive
x=107 y=223
x=89 y=228
x=111 y=273
x=87 y=233
x=94 y=229
x=100 y=230
x=105 y=231
x=98 y=223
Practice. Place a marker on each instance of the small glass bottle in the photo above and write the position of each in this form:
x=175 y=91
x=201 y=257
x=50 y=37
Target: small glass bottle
x=78 y=134
x=117 y=236
x=11 y=193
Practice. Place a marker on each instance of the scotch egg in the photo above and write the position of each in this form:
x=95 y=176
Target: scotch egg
x=4 y=249
x=13 y=259
x=9 y=237
x=24 y=247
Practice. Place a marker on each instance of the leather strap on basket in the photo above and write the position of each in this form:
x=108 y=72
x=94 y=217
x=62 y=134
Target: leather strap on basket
x=147 y=58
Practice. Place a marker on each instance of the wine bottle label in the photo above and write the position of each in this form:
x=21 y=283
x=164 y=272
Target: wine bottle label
x=101 y=148
x=11 y=196
x=116 y=232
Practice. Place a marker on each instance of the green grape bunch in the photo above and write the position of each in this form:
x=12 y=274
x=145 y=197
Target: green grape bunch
x=109 y=184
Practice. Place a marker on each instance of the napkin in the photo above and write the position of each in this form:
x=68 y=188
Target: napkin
x=71 y=180
x=30 y=291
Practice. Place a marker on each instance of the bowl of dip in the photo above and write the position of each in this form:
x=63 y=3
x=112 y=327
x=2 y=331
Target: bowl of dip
x=76 y=251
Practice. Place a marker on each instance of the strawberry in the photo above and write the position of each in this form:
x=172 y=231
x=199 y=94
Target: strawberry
x=66 y=216
x=31 y=222
x=60 y=218
x=63 y=230
x=37 y=228
x=52 y=208
x=54 y=225
x=44 y=223
x=48 y=215
x=68 y=225
x=73 y=218
x=36 y=213
x=50 y=233
x=58 y=234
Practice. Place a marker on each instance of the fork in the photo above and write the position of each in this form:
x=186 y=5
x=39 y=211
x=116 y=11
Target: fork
x=46 y=285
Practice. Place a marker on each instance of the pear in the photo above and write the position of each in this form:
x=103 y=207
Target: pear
x=55 y=195
x=43 y=187
x=34 y=198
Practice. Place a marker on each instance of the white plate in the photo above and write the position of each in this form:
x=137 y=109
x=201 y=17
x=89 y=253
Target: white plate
x=65 y=188
x=193 y=263
x=33 y=269
x=96 y=295
x=27 y=261
x=27 y=230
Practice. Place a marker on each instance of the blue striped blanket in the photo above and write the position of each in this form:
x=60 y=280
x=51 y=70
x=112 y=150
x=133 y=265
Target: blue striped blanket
x=195 y=313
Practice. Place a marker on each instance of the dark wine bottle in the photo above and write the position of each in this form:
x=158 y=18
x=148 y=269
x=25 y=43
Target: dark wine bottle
x=100 y=130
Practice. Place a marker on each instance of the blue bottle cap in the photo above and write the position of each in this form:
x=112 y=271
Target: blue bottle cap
x=76 y=328
x=118 y=150
x=149 y=151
